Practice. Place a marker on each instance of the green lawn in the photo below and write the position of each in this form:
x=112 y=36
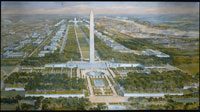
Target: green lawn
x=86 y=54
x=83 y=44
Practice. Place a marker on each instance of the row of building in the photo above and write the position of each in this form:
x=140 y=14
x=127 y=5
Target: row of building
x=11 y=54
x=111 y=43
x=155 y=53
x=54 y=42
x=57 y=24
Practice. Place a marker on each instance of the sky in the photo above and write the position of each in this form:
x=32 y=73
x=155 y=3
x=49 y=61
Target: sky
x=100 y=7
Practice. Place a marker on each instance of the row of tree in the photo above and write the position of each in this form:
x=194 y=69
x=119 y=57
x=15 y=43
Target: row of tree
x=36 y=80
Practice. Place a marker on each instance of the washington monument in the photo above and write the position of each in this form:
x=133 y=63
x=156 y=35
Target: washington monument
x=91 y=37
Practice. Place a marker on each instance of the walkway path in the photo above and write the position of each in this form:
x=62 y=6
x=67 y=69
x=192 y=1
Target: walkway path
x=110 y=84
x=90 y=86
x=111 y=72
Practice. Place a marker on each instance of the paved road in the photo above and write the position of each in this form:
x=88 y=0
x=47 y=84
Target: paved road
x=65 y=38
x=78 y=43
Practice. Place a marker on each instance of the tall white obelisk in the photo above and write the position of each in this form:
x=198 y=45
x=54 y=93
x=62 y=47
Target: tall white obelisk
x=91 y=37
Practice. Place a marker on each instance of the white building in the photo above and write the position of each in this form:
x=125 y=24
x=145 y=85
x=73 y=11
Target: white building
x=51 y=48
x=14 y=88
x=35 y=35
x=38 y=41
x=54 y=95
x=154 y=52
x=26 y=41
x=11 y=54
x=42 y=53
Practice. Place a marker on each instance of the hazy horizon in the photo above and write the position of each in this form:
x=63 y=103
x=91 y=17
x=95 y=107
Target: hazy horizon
x=100 y=8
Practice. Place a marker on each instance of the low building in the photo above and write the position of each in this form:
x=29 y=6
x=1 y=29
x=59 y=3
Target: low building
x=155 y=53
x=26 y=41
x=54 y=44
x=14 y=88
x=42 y=36
x=11 y=54
x=35 y=35
x=10 y=47
x=38 y=41
x=54 y=95
x=51 y=48
x=19 y=47
x=42 y=53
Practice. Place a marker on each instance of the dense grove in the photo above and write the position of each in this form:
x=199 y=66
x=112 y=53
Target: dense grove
x=170 y=81
x=65 y=103
x=24 y=106
x=168 y=103
x=38 y=81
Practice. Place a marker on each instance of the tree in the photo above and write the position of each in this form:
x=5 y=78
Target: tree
x=101 y=106
x=18 y=97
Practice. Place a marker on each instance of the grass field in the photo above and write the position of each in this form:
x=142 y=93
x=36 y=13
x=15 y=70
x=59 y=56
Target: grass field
x=71 y=49
x=83 y=44
x=190 y=68
x=189 y=64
